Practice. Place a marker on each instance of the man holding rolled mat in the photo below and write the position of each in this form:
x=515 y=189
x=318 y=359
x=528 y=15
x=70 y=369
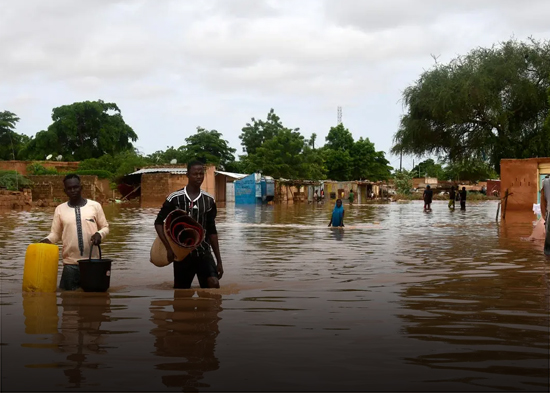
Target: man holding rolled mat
x=78 y=223
x=202 y=208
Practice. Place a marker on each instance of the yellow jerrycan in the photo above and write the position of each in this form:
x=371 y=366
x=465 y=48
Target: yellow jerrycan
x=40 y=272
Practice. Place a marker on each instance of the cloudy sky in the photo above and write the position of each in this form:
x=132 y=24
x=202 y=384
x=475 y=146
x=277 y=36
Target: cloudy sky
x=173 y=65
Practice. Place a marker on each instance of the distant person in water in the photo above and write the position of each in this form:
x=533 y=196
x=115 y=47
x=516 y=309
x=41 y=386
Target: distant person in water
x=463 y=199
x=79 y=223
x=428 y=195
x=452 y=197
x=337 y=219
x=351 y=196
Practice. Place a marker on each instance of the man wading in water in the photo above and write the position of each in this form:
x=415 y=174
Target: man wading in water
x=201 y=207
x=79 y=223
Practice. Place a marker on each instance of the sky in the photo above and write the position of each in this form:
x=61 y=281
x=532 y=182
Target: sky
x=172 y=65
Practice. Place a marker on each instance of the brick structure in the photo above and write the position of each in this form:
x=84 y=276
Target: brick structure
x=15 y=199
x=522 y=179
x=21 y=166
x=47 y=190
x=156 y=186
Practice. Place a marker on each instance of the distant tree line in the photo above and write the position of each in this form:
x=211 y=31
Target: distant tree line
x=95 y=134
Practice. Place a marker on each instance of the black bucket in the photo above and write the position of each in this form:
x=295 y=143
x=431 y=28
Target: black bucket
x=95 y=274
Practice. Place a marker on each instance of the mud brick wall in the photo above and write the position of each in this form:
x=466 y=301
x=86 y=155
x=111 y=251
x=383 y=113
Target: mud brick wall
x=21 y=166
x=50 y=188
x=15 y=199
x=520 y=177
x=155 y=187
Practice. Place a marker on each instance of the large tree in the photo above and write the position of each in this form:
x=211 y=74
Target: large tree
x=429 y=168
x=347 y=159
x=369 y=163
x=210 y=147
x=256 y=133
x=83 y=130
x=279 y=151
x=11 y=143
x=487 y=105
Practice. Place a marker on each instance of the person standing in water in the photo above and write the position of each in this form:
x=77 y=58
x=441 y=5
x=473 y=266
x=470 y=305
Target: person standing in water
x=201 y=207
x=463 y=199
x=428 y=195
x=79 y=224
x=337 y=219
x=351 y=196
x=452 y=197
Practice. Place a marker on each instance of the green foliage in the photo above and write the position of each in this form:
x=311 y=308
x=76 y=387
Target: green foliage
x=255 y=134
x=369 y=163
x=13 y=181
x=278 y=151
x=403 y=182
x=209 y=147
x=83 y=130
x=165 y=156
x=118 y=165
x=37 y=169
x=487 y=105
x=347 y=159
x=11 y=143
x=429 y=168
x=470 y=170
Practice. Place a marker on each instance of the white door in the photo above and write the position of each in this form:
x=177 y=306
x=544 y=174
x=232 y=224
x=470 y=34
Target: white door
x=230 y=192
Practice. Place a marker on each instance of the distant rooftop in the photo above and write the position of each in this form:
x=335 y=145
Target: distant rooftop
x=182 y=171
x=173 y=170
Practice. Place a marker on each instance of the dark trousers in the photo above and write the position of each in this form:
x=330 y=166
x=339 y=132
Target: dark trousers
x=202 y=265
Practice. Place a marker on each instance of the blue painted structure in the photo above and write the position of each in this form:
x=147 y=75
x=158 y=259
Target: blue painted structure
x=245 y=190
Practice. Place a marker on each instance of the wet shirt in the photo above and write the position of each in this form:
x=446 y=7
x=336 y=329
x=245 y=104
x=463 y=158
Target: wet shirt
x=428 y=194
x=463 y=196
x=202 y=209
x=74 y=226
x=452 y=195
x=338 y=216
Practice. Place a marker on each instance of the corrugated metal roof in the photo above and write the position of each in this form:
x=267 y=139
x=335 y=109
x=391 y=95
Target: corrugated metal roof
x=177 y=171
x=232 y=174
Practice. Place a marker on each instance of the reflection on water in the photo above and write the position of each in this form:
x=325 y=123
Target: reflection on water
x=185 y=337
x=398 y=300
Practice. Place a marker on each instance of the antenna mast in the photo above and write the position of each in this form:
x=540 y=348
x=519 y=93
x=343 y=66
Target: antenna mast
x=339 y=115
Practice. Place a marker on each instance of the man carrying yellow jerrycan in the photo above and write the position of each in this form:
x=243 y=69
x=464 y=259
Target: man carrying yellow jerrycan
x=79 y=223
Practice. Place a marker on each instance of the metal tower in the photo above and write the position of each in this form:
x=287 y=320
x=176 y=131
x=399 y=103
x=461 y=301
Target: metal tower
x=339 y=115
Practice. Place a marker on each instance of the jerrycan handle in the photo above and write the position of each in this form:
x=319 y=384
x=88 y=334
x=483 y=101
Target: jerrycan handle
x=91 y=248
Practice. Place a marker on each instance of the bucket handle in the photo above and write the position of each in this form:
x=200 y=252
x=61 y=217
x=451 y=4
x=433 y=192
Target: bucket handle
x=91 y=248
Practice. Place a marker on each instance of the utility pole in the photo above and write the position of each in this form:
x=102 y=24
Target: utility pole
x=339 y=115
x=401 y=162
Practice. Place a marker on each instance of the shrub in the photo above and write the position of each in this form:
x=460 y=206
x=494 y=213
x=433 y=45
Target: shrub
x=38 y=169
x=13 y=181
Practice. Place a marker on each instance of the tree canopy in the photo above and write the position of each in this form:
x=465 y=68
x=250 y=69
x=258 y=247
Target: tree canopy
x=347 y=159
x=209 y=147
x=487 y=105
x=11 y=143
x=83 y=130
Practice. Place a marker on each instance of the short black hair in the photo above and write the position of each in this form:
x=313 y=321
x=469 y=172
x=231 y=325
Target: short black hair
x=71 y=176
x=193 y=163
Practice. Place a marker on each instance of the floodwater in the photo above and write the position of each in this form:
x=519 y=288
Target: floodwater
x=401 y=300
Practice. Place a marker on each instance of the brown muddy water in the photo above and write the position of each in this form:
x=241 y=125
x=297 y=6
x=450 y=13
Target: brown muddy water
x=400 y=301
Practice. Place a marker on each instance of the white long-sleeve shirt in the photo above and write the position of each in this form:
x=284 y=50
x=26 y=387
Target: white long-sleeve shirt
x=76 y=238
